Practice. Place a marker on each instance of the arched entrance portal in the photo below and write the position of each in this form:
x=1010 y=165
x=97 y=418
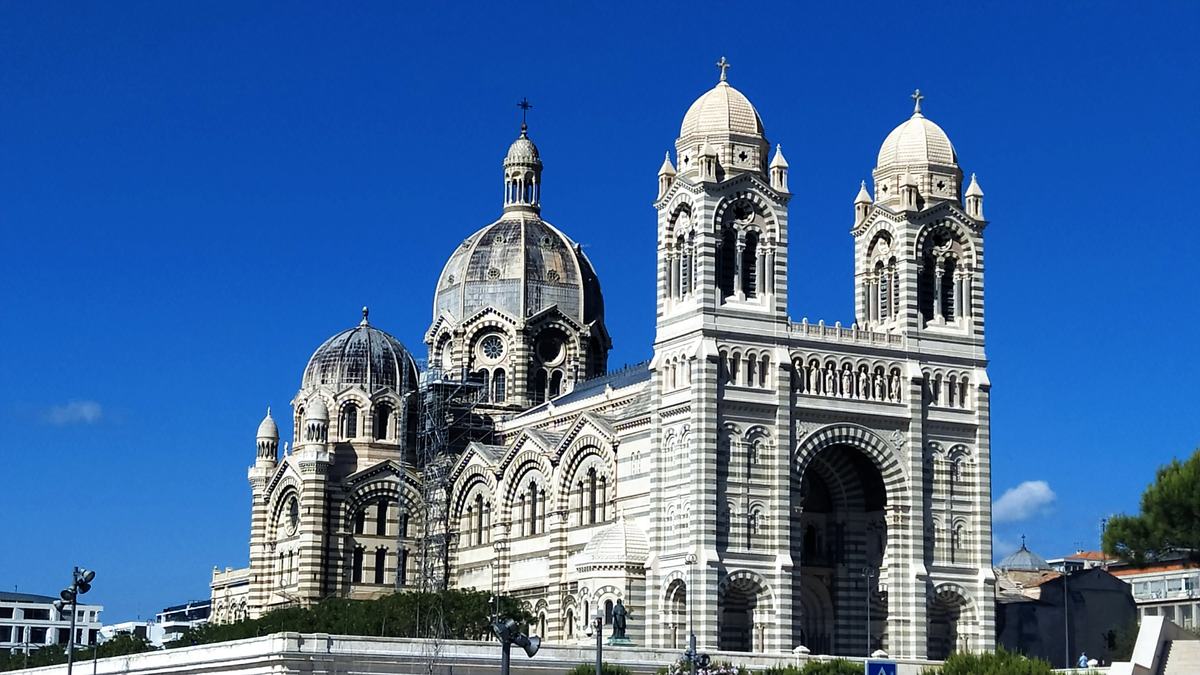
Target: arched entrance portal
x=947 y=613
x=841 y=537
x=745 y=614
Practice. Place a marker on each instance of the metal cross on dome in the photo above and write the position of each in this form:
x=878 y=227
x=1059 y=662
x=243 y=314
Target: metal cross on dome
x=917 y=96
x=524 y=105
x=724 y=66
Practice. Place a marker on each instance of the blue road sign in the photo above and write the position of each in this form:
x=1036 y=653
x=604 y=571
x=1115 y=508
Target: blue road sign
x=880 y=668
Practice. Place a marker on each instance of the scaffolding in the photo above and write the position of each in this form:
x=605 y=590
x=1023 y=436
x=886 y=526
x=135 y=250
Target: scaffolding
x=447 y=423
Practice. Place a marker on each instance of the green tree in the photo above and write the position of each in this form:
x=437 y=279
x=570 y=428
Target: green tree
x=451 y=614
x=605 y=669
x=1169 y=518
x=1000 y=662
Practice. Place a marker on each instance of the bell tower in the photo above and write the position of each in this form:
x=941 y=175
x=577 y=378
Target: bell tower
x=722 y=215
x=919 y=240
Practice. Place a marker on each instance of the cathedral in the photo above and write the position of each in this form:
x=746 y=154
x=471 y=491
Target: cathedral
x=764 y=483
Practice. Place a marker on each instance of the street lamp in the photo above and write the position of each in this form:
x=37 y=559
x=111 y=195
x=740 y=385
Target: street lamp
x=510 y=634
x=869 y=573
x=596 y=627
x=81 y=582
x=690 y=561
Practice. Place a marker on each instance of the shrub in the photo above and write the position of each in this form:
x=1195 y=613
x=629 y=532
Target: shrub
x=605 y=669
x=1000 y=662
x=834 y=667
x=681 y=667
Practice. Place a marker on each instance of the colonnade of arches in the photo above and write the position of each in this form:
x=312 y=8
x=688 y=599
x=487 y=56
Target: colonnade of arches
x=744 y=367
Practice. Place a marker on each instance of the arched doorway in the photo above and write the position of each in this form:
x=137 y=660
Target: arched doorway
x=745 y=613
x=947 y=615
x=841 y=536
x=675 y=614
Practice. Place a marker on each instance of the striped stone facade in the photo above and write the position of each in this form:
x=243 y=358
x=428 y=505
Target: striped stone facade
x=775 y=484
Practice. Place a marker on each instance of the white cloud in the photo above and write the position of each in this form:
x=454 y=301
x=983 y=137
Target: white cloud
x=1029 y=499
x=74 y=412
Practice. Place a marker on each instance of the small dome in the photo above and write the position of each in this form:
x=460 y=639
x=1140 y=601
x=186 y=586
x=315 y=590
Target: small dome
x=917 y=141
x=1024 y=560
x=316 y=411
x=622 y=543
x=522 y=151
x=520 y=266
x=364 y=356
x=267 y=429
x=722 y=110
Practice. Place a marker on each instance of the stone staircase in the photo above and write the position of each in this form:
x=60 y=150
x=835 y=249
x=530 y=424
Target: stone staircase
x=1182 y=658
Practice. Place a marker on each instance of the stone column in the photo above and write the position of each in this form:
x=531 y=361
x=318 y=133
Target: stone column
x=937 y=293
x=738 y=291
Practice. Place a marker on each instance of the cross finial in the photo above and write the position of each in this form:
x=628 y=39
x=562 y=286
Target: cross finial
x=524 y=105
x=1022 y=541
x=365 y=313
x=724 y=66
x=916 y=97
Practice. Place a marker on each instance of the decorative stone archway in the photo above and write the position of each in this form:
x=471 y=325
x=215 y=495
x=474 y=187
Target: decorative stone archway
x=849 y=494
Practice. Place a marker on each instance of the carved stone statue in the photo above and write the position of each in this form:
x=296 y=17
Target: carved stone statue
x=877 y=390
x=619 y=620
x=847 y=384
x=830 y=383
x=813 y=379
x=894 y=388
x=864 y=384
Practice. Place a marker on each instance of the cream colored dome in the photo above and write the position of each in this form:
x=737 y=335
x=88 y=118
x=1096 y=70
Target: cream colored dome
x=622 y=543
x=268 y=429
x=522 y=150
x=917 y=141
x=722 y=110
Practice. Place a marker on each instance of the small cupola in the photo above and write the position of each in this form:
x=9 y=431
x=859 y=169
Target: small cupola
x=973 y=199
x=666 y=175
x=523 y=171
x=779 y=170
x=862 y=203
x=268 y=438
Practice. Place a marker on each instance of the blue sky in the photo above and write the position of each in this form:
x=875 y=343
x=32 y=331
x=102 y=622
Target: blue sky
x=194 y=195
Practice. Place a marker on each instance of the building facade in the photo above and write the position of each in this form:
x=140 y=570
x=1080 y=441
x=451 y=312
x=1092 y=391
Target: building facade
x=29 y=621
x=1169 y=587
x=759 y=479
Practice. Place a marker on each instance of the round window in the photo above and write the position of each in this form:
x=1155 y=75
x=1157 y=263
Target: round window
x=492 y=347
x=550 y=349
x=293 y=517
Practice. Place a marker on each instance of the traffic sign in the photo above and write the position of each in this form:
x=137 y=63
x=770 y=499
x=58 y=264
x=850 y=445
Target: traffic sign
x=880 y=668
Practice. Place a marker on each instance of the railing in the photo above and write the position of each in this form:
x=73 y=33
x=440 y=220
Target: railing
x=843 y=334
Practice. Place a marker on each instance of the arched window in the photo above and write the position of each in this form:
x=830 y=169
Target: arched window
x=402 y=568
x=380 y=564
x=570 y=620
x=534 y=495
x=350 y=421
x=499 y=394
x=478 y=524
x=381 y=518
x=726 y=262
x=591 y=496
x=541 y=379
x=556 y=380
x=750 y=265
x=356 y=574
x=482 y=377
x=608 y=612
x=383 y=420
x=360 y=521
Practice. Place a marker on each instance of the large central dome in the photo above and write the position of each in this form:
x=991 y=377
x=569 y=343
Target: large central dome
x=520 y=266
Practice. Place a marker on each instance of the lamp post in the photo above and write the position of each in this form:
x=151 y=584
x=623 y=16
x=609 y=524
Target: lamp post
x=690 y=561
x=868 y=574
x=596 y=626
x=81 y=582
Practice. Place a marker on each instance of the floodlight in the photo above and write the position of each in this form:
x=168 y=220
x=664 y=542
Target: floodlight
x=67 y=595
x=531 y=644
x=83 y=586
x=85 y=576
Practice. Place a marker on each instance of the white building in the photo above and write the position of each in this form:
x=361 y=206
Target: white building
x=1167 y=588
x=30 y=621
x=784 y=458
x=174 y=621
